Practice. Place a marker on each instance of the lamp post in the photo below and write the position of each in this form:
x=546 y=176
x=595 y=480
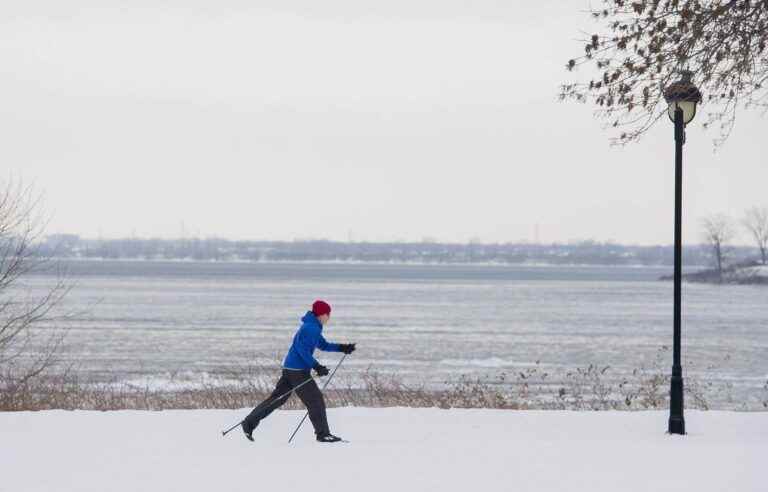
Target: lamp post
x=682 y=97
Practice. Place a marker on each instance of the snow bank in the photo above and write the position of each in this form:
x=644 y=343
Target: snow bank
x=746 y=273
x=391 y=450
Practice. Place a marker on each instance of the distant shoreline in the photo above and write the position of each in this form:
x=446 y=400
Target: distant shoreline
x=364 y=263
x=747 y=273
x=576 y=254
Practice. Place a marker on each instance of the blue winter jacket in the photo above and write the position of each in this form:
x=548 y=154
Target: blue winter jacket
x=305 y=341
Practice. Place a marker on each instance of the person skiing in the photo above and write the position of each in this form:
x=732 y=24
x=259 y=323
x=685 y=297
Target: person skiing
x=296 y=371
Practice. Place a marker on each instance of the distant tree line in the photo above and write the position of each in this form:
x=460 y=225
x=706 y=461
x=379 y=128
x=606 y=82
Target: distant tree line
x=214 y=249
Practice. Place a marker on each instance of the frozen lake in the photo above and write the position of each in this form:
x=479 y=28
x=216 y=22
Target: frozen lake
x=157 y=319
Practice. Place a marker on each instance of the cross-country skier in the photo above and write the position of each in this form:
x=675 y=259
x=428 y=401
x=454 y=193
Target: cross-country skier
x=296 y=370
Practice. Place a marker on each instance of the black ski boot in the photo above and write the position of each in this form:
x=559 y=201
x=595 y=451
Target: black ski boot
x=247 y=430
x=328 y=438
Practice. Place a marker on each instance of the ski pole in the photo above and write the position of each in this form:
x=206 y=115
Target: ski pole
x=270 y=401
x=324 y=386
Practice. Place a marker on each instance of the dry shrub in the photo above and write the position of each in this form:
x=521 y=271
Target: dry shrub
x=588 y=388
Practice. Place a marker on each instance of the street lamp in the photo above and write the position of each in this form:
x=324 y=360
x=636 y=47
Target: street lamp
x=682 y=97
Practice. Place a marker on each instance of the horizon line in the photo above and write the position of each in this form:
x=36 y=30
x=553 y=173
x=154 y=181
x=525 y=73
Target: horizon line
x=425 y=241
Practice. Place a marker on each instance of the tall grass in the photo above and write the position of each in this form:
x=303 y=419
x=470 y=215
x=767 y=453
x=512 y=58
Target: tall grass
x=587 y=388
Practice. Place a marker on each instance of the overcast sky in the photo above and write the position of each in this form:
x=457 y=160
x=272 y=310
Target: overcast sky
x=396 y=120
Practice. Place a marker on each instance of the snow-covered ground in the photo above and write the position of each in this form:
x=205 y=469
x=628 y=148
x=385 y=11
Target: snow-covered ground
x=397 y=449
x=760 y=271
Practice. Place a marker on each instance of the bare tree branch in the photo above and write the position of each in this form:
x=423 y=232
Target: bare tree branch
x=719 y=231
x=756 y=222
x=643 y=46
x=28 y=344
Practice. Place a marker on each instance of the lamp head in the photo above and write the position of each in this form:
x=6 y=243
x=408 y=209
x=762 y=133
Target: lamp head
x=683 y=94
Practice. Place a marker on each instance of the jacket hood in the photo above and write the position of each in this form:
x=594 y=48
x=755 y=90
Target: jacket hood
x=310 y=318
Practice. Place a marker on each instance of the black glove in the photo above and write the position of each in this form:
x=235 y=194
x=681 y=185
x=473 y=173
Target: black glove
x=320 y=369
x=347 y=348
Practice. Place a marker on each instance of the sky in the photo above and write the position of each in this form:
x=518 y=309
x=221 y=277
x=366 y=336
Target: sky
x=343 y=120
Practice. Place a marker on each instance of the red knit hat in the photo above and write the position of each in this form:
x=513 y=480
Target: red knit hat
x=320 y=308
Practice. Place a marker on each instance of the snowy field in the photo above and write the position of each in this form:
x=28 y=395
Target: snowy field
x=390 y=450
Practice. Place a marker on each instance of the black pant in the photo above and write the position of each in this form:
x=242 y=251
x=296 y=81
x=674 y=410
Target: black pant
x=309 y=394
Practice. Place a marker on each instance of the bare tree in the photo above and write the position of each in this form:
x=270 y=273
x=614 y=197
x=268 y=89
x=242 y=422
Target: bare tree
x=644 y=44
x=756 y=222
x=719 y=231
x=26 y=353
